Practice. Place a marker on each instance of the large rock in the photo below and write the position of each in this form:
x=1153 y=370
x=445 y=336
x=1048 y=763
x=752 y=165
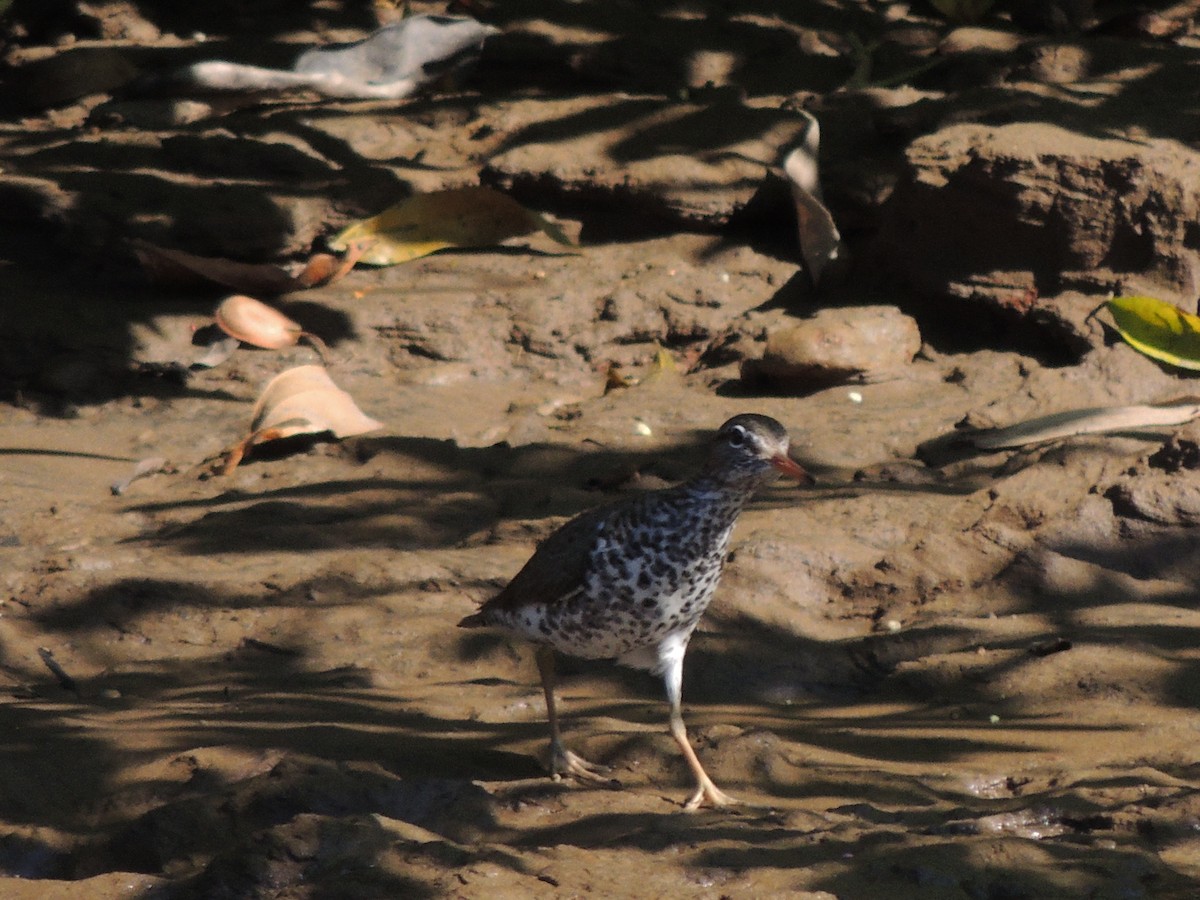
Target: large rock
x=1018 y=213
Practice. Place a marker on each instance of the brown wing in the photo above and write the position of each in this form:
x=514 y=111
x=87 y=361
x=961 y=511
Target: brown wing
x=557 y=568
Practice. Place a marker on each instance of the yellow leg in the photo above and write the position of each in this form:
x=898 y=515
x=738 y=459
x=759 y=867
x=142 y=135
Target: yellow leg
x=707 y=793
x=563 y=761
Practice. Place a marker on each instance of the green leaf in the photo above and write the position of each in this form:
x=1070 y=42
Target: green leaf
x=1158 y=329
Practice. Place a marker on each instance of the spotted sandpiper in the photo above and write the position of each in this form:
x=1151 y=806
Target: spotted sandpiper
x=630 y=580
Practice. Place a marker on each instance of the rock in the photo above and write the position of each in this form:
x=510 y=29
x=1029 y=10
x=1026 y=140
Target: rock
x=1017 y=214
x=973 y=39
x=1058 y=63
x=150 y=114
x=684 y=163
x=864 y=343
x=1159 y=498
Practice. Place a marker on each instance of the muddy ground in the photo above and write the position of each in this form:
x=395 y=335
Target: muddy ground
x=935 y=674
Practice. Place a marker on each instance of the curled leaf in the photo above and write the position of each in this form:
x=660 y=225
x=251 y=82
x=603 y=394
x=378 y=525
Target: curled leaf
x=426 y=223
x=1093 y=420
x=663 y=368
x=820 y=241
x=307 y=392
x=301 y=400
x=255 y=323
x=323 y=268
x=1158 y=329
x=177 y=268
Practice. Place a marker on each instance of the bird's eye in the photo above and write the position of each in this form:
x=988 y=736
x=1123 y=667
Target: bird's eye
x=737 y=436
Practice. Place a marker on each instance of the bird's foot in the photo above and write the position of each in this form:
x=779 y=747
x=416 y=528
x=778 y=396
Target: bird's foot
x=708 y=794
x=565 y=763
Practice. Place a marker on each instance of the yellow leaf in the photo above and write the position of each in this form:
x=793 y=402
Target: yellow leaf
x=1158 y=329
x=425 y=223
x=663 y=367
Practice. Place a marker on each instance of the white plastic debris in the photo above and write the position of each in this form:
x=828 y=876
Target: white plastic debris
x=394 y=62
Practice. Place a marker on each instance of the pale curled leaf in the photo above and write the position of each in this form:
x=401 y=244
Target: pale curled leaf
x=820 y=241
x=1093 y=420
x=300 y=400
x=425 y=223
x=253 y=322
x=1158 y=329
x=304 y=400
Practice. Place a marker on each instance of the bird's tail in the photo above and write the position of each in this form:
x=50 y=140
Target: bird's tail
x=475 y=620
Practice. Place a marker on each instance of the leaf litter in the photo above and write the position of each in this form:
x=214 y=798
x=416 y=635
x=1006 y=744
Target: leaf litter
x=1158 y=329
x=254 y=322
x=476 y=216
x=300 y=400
x=820 y=240
x=168 y=267
x=1092 y=420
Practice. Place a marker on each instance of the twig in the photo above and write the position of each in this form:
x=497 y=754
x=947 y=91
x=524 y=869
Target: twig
x=59 y=672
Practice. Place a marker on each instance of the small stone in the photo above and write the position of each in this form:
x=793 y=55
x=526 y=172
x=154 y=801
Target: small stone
x=836 y=345
x=971 y=39
x=150 y=114
x=1059 y=64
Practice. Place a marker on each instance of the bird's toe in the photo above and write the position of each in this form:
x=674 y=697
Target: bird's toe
x=565 y=763
x=708 y=794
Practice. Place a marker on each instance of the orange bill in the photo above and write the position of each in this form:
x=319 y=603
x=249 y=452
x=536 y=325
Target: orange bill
x=791 y=468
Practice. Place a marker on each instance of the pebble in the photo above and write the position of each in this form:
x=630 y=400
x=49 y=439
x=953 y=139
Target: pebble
x=863 y=343
x=971 y=39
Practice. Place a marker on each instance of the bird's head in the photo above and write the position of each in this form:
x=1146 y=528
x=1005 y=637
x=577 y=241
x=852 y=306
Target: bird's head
x=750 y=450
